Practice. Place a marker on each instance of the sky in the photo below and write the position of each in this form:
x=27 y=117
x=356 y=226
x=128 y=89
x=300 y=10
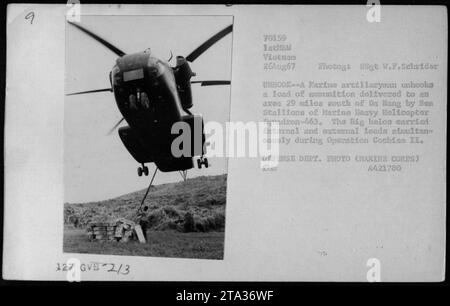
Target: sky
x=97 y=166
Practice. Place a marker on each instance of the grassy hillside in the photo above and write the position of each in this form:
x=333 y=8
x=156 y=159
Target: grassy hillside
x=195 y=205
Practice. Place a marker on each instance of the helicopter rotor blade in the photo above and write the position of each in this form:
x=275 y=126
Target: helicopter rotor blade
x=115 y=126
x=90 y=91
x=207 y=44
x=99 y=39
x=212 y=83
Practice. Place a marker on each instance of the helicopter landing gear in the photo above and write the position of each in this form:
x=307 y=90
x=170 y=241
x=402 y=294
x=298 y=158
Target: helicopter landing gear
x=202 y=161
x=142 y=170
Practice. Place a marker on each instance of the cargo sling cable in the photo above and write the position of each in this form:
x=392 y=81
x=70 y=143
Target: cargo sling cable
x=183 y=174
x=148 y=189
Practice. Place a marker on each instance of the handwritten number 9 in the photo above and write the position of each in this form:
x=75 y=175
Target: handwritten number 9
x=30 y=16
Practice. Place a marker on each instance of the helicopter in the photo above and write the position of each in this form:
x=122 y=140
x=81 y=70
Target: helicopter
x=152 y=96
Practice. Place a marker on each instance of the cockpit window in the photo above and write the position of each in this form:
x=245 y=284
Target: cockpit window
x=161 y=66
x=156 y=66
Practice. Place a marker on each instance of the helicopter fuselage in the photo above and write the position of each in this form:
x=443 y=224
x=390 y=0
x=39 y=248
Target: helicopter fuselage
x=152 y=97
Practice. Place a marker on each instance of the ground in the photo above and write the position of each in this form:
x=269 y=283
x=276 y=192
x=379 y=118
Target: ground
x=184 y=219
x=169 y=243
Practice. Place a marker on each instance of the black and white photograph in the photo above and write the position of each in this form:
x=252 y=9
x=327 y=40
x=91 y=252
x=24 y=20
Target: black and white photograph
x=234 y=144
x=128 y=80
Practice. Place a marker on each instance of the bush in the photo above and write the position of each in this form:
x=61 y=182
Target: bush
x=189 y=222
x=219 y=220
x=195 y=205
x=215 y=222
x=171 y=212
x=156 y=217
x=201 y=225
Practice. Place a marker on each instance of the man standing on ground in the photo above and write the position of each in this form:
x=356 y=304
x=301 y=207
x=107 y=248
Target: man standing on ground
x=142 y=220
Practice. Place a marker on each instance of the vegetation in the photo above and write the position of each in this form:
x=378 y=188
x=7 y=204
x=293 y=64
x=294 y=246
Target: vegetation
x=185 y=219
x=195 y=205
